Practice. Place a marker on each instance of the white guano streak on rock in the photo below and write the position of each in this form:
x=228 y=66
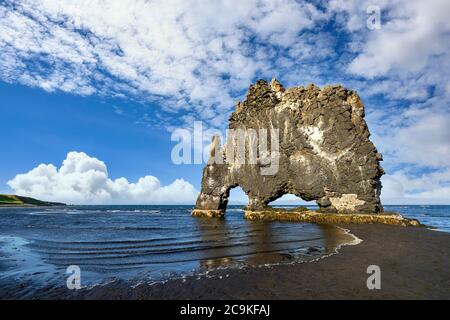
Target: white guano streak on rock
x=286 y=103
x=314 y=136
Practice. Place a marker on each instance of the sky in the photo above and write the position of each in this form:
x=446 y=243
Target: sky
x=92 y=90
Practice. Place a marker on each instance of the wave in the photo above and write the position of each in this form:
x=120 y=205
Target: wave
x=101 y=263
x=128 y=242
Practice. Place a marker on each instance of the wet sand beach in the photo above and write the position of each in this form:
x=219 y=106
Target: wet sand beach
x=414 y=264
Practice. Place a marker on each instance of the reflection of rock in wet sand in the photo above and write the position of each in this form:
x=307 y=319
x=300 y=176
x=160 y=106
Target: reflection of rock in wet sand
x=216 y=233
x=215 y=263
x=262 y=242
x=334 y=237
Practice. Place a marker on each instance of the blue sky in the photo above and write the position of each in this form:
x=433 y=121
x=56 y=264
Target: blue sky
x=102 y=85
x=43 y=127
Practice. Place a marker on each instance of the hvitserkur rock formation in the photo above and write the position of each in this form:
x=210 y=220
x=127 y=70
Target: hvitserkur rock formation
x=321 y=147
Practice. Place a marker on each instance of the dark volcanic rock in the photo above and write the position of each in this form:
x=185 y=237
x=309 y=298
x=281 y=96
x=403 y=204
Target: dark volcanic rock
x=324 y=152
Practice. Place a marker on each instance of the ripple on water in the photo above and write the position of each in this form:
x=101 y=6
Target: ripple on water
x=150 y=243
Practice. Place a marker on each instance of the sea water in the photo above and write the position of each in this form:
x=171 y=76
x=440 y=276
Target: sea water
x=154 y=243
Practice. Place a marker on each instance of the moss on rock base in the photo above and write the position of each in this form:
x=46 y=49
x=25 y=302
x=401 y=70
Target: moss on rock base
x=331 y=218
x=208 y=213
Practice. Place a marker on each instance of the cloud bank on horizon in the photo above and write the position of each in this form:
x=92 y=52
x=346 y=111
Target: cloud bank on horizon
x=193 y=58
x=82 y=179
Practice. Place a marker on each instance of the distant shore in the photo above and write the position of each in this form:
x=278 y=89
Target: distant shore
x=414 y=264
x=25 y=205
x=12 y=200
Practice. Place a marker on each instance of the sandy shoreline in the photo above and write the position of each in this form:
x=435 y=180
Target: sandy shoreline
x=414 y=264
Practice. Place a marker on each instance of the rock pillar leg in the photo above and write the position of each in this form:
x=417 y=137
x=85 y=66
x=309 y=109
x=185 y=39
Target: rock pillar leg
x=210 y=205
x=212 y=201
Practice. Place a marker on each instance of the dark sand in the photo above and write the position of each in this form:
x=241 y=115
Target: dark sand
x=414 y=262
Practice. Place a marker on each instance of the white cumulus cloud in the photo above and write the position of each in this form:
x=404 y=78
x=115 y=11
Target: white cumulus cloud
x=404 y=188
x=84 y=180
x=413 y=32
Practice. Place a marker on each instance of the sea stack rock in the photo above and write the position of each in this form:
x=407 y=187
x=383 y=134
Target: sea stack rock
x=317 y=147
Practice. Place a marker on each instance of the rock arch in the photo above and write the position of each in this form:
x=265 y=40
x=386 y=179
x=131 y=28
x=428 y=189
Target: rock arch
x=289 y=199
x=323 y=154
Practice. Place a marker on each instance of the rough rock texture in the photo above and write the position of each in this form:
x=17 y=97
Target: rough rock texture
x=324 y=152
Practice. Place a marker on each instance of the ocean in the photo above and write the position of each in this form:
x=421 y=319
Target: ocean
x=156 y=243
